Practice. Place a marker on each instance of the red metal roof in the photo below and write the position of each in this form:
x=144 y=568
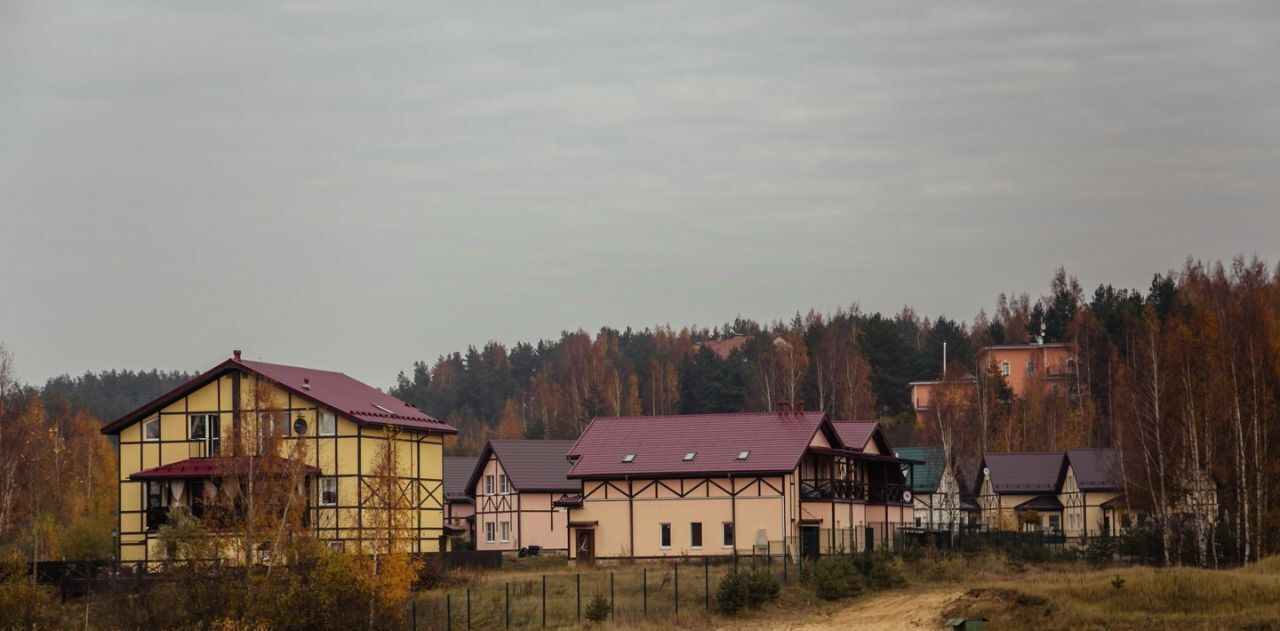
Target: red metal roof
x=210 y=468
x=775 y=443
x=855 y=434
x=356 y=400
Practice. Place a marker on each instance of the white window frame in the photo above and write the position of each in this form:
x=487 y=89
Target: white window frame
x=204 y=426
x=488 y=484
x=490 y=532
x=325 y=482
x=1005 y=368
x=1031 y=367
x=336 y=544
x=504 y=531
x=332 y=424
x=664 y=531
x=728 y=531
x=503 y=486
x=155 y=420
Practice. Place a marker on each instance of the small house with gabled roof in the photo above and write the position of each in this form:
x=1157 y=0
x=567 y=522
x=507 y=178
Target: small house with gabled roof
x=178 y=449
x=724 y=484
x=514 y=485
x=1074 y=493
x=935 y=490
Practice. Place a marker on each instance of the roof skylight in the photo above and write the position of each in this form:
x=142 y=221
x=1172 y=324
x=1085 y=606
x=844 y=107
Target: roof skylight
x=689 y=456
x=629 y=458
x=742 y=455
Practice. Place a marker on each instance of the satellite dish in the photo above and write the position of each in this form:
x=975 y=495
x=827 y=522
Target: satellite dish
x=906 y=496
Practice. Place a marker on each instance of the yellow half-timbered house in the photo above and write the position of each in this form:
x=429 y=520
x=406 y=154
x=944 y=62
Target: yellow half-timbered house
x=174 y=450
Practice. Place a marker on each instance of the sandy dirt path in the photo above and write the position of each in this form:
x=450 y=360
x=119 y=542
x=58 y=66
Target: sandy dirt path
x=882 y=612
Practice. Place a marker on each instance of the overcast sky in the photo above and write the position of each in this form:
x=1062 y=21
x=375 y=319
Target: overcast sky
x=354 y=186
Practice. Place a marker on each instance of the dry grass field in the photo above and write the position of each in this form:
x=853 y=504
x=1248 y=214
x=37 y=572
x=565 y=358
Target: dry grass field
x=1011 y=596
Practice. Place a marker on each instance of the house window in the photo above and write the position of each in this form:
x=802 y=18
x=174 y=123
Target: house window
x=151 y=429
x=695 y=534
x=1055 y=523
x=328 y=424
x=728 y=534
x=506 y=531
x=1071 y=365
x=664 y=535
x=488 y=484
x=1031 y=367
x=502 y=483
x=155 y=494
x=1004 y=368
x=197 y=427
x=328 y=491
x=489 y=529
x=336 y=545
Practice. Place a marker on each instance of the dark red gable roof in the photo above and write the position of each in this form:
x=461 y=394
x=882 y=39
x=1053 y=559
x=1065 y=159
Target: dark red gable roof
x=211 y=468
x=1025 y=473
x=775 y=441
x=351 y=398
x=855 y=435
x=530 y=465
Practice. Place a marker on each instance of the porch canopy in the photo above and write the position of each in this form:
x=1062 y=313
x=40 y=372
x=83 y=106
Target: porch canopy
x=209 y=468
x=1040 y=504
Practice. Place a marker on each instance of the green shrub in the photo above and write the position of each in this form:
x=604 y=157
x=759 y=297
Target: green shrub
x=746 y=588
x=731 y=596
x=598 y=609
x=836 y=577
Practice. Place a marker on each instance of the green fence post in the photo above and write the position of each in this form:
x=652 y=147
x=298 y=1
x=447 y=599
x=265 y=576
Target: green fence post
x=676 y=568
x=706 y=583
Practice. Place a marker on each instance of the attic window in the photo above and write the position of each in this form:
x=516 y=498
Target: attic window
x=383 y=409
x=629 y=458
x=689 y=456
x=742 y=455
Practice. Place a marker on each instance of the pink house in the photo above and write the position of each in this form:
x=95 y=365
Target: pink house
x=1023 y=366
x=513 y=484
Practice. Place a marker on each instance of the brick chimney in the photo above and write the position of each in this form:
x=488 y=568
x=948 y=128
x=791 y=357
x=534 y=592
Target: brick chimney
x=236 y=354
x=799 y=407
x=306 y=384
x=784 y=407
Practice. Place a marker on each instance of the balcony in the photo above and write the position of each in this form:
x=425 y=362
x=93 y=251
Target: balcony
x=827 y=489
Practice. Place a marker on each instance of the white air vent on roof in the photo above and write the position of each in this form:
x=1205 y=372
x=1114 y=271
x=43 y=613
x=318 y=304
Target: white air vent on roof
x=742 y=455
x=628 y=457
x=689 y=456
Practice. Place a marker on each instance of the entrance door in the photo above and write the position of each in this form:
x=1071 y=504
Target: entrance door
x=809 y=538
x=586 y=546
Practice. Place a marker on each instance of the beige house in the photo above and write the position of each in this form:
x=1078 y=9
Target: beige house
x=1051 y=366
x=514 y=485
x=177 y=450
x=1074 y=493
x=723 y=484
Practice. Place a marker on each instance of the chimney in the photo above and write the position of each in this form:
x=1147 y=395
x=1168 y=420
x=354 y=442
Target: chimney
x=799 y=407
x=236 y=354
x=783 y=407
x=306 y=384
